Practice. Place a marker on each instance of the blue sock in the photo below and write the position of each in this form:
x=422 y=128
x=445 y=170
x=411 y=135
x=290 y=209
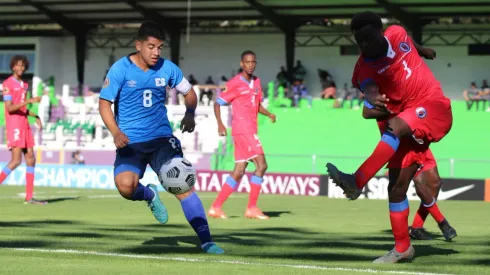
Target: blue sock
x=195 y=215
x=143 y=193
x=6 y=170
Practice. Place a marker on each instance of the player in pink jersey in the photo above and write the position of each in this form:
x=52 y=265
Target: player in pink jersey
x=19 y=136
x=421 y=113
x=244 y=93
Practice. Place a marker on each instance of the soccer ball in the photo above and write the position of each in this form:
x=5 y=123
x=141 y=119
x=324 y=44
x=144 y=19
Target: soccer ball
x=177 y=176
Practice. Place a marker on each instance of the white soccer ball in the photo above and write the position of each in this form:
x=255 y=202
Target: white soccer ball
x=177 y=176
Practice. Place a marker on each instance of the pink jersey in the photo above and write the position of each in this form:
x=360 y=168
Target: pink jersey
x=245 y=98
x=15 y=91
x=402 y=75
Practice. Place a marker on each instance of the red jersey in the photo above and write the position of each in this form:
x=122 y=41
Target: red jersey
x=402 y=75
x=15 y=91
x=245 y=98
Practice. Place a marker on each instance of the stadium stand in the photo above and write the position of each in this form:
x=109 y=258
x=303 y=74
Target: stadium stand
x=304 y=139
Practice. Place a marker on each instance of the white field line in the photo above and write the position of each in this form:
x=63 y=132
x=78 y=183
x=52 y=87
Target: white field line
x=107 y=196
x=229 y=262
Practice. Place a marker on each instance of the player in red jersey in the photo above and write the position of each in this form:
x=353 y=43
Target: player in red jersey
x=19 y=136
x=420 y=111
x=244 y=93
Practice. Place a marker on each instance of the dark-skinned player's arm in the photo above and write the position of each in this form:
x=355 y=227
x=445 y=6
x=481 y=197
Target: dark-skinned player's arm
x=38 y=119
x=108 y=94
x=373 y=99
x=225 y=98
x=264 y=111
x=426 y=53
x=11 y=107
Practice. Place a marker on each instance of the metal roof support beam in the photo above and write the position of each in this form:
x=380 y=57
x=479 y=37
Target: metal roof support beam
x=169 y=25
x=78 y=29
x=290 y=43
x=413 y=22
x=175 y=46
x=81 y=53
x=69 y=25
x=282 y=22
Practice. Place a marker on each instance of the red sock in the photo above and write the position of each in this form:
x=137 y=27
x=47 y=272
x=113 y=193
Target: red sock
x=225 y=192
x=420 y=216
x=4 y=174
x=255 y=187
x=385 y=149
x=399 y=224
x=434 y=211
x=29 y=182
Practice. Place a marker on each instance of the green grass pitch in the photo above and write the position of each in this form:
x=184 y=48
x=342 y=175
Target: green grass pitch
x=98 y=232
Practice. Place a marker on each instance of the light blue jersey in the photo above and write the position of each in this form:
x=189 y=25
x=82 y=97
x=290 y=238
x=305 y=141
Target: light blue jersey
x=139 y=97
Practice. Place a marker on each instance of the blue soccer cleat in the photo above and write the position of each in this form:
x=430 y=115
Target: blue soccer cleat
x=157 y=207
x=212 y=248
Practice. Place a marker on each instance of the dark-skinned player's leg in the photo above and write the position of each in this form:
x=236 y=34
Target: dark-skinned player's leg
x=227 y=188
x=400 y=179
x=15 y=161
x=352 y=185
x=253 y=212
x=428 y=184
x=30 y=165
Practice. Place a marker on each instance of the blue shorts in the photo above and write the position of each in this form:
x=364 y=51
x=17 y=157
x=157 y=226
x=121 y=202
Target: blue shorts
x=135 y=157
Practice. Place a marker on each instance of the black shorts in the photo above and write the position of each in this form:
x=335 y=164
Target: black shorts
x=135 y=157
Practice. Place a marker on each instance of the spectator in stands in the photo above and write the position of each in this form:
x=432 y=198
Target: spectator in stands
x=299 y=91
x=299 y=71
x=484 y=85
x=77 y=157
x=207 y=91
x=193 y=80
x=330 y=91
x=472 y=95
x=282 y=78
x=347 y=93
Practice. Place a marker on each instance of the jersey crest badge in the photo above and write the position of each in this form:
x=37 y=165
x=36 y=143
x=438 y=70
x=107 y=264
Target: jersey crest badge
x=404 y=47
x=160 y=82
x=106 y=83
x=421 y=112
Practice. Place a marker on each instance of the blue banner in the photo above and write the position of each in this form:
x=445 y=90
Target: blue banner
x=74 y=176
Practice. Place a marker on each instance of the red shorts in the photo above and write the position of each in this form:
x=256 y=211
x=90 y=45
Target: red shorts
x=410 y=152
x=20 y=137
x=430 y=121
x=247 y=147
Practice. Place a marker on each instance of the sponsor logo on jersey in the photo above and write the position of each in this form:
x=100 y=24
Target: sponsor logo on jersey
x=160 y=82
x=404 y=47
x=421 y=112
x=131 y=83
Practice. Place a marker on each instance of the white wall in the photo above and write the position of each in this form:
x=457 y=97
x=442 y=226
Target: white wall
x=218 y=55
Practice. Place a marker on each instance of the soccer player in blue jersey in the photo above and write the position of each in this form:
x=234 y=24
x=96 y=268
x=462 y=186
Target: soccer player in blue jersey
x=142 y=134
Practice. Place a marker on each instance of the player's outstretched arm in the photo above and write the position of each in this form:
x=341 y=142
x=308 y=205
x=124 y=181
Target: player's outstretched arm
x=374 y=113
x=12 y=108
x=188 y=123
x=264 y=111
x=217 y=114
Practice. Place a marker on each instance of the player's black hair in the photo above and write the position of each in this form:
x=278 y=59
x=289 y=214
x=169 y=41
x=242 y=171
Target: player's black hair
x=365 y=18
x=247 y=52
x=150 y=29
x=17 y=58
